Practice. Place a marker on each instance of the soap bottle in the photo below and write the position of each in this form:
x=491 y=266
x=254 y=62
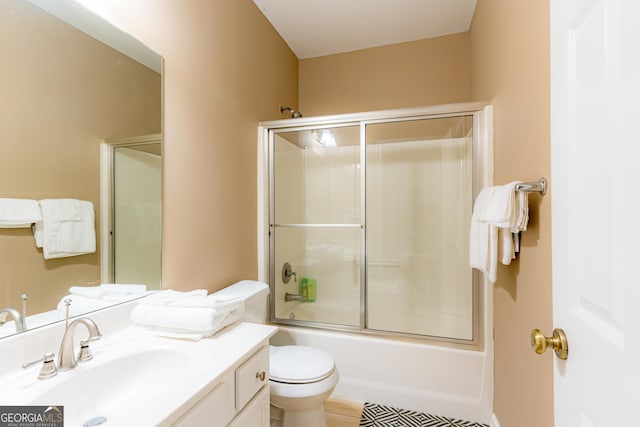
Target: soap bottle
x=311 y=290
x=304 y=288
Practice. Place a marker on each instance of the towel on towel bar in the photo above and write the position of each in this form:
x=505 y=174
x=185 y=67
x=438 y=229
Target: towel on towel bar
x=19 y=213
x=499 y=214
x=67 y=228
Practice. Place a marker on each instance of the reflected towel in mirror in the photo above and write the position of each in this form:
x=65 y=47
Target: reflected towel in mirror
x=19 y=213
x=67 y=228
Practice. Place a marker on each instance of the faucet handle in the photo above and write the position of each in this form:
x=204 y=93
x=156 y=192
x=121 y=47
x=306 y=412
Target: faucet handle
x=48 y=369
x=85 y=352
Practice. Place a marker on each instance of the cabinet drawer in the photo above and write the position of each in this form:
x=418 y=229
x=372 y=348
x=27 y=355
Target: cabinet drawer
x=251 y=376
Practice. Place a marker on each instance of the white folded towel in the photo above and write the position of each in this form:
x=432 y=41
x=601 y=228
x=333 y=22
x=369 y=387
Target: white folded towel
x=109 y=292
x=195 y=319
x=86 y=291
x=176 y=298
x=500 y=210
x=67 y=228
x=499 y=214
x=19 y=213
x=81 y=304
x=116 y=288
x=483 y=239
x=189 y=315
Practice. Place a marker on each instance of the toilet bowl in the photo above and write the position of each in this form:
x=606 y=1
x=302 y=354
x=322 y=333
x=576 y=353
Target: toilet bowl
x=301 y=377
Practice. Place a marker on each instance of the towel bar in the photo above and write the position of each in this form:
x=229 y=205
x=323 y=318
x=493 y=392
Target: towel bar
x=531 y=187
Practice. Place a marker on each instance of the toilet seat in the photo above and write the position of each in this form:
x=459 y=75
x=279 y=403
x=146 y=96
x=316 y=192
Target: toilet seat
x=296 y=364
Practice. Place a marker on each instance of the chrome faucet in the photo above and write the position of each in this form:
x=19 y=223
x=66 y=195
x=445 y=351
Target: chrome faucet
x=66 y=357
x=21 y=326
x=293 y=297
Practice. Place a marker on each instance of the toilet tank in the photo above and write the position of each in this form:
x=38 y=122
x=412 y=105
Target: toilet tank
x=255 y=297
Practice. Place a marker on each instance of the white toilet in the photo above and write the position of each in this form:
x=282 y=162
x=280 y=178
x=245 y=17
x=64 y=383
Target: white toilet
x=301 y=377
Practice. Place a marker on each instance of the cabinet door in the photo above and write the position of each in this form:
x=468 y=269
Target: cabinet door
x=215 y=409
x=256 y=413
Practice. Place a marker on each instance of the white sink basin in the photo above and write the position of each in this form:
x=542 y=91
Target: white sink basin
x=102 y=392
x=134 y=379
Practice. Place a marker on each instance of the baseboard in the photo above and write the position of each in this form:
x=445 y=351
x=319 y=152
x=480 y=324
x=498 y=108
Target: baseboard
x=494 y=421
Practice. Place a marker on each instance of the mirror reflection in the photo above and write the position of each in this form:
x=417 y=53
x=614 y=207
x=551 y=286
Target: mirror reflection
x=63 y=94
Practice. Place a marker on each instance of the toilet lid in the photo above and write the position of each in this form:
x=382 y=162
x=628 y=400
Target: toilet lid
x=299 y=364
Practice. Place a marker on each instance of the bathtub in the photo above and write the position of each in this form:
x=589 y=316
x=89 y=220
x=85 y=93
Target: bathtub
x=406 y=374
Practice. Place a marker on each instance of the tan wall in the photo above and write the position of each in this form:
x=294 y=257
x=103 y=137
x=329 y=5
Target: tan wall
x=510 y=68
x=62 y=92
x=225 y=68
x=423 y=72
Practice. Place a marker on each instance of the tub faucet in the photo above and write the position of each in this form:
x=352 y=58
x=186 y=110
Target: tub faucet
x=293 y=297
x=21 y=326
x=66 y=357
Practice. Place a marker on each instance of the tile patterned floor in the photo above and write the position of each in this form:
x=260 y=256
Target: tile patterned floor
x=385 y=416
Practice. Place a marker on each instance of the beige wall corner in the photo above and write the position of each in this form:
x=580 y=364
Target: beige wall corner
x=424 y=72
x=225 y=68
x=510 y=68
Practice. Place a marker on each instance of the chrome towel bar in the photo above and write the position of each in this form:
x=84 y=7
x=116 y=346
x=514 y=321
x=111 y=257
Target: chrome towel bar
x=539 y=186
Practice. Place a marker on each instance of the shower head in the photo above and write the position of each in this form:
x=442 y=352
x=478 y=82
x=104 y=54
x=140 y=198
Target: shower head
x=294 y=114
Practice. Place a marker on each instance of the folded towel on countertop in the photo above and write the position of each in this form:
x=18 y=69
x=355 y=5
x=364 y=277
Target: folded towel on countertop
x=19 y=213
x=195 y=319
x=104 y=291
x=189 y=315
x=170 y=296
x=81 y=305
x=117 y=288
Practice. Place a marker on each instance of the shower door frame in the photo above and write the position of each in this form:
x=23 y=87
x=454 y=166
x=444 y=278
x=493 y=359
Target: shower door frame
x=482 y=175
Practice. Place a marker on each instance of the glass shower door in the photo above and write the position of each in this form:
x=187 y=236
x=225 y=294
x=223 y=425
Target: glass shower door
x=316 y=225
x=418 y=204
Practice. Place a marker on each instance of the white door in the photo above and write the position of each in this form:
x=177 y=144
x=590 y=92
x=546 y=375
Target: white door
x=595 y=179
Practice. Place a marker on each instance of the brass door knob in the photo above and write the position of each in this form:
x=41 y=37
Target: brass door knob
x=558 y=341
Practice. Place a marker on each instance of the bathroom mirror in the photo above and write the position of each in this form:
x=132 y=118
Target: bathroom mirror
x=64 y=93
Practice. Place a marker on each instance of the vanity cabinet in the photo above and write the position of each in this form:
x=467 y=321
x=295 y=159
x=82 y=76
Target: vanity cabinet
x=240 y=398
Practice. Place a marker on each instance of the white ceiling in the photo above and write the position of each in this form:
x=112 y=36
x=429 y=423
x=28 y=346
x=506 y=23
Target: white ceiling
x=323 y=27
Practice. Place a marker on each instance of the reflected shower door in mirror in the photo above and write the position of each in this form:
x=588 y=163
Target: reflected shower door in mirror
x=316 y=225
x=132 y=218
x=63 y=92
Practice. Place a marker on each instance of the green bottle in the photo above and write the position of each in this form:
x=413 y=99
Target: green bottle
x=304 y=288
x=311 y=290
